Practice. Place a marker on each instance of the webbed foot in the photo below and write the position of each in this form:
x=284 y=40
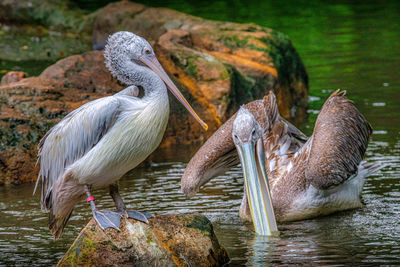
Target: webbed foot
x=139 y=216
x=107 y=219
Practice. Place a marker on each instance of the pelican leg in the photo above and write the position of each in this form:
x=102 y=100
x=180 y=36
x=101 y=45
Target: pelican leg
x=114 y=193
x=119 y=204
x=105 y=219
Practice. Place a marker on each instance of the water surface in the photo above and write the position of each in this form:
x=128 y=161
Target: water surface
x=343 y=45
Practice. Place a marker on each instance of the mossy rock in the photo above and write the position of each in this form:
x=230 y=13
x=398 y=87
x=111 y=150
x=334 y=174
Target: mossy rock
x=168 y=240
x=218 y=66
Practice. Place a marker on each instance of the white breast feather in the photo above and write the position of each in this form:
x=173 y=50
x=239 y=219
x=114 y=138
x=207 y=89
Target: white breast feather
x=136 y=134
x=314 y=202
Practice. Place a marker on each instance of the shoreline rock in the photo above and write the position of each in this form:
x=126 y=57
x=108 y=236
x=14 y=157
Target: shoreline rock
x=12 y=77
x=168 y=240
x=218 y=66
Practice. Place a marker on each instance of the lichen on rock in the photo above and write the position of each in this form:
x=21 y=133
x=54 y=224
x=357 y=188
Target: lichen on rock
x=168 y=240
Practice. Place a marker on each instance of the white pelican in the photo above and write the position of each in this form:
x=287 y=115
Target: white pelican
x=307 y=178
x=93 y=146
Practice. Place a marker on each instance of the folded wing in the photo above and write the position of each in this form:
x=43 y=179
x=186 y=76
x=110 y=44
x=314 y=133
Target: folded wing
x=72 y=138
x=338 y=143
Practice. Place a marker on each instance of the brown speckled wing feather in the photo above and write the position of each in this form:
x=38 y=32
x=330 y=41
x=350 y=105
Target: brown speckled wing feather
x=219 y=154
x=338 y=144
x=282 y=140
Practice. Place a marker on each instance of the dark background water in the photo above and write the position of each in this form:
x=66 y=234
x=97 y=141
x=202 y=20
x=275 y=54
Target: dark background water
x=352 y=45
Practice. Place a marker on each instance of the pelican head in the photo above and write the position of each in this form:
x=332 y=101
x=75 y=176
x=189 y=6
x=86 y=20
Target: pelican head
x=246 y=128
x=129 y=58
x=124 y=46
x=247 y=137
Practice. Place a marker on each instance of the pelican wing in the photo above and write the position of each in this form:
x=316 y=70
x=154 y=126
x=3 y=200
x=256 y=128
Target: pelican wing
x=338 y=143
x=219 y=154
x=216 y=156
x=281 y=141
x=72 y=138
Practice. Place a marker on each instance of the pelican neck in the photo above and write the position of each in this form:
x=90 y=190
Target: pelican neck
x=152 y=84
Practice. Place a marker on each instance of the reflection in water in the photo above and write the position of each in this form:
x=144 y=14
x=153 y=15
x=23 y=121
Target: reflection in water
x=370 y=234
x=343 y=45
x=261 y=249
x=366 y=235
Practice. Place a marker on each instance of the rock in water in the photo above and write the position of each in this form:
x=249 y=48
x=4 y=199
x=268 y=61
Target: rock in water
x=12 y=77
x=218 y=66
x=168 y=240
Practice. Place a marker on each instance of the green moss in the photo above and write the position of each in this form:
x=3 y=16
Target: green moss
x=233 y=41
x=252 y=28
x=87 y=250
x=285 y=58
x=242 y=85
x=68 y=84
x=225 y=74
x=9 y=138
x=191 y=67
x=81 y=254
x=254 y=47
x=109 y=243
x=69 y=261
x=245 y=88
x=201 y=223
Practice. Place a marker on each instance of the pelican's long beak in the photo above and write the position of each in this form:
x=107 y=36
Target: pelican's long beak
x=154 y=65
x=257 y=188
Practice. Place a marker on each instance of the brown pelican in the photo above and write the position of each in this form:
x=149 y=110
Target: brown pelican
x=93 y=146
x=247 y=136
x=307 y=178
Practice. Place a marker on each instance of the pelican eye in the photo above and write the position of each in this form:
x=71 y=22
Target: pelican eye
x=147 y=51
x=254 y=133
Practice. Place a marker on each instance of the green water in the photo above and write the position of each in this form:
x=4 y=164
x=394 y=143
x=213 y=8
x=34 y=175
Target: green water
x=353 y=46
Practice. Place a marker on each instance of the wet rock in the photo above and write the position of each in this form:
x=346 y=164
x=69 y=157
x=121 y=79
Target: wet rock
x=54 y=14
x=205 y=51
x=31 y=106
x=217 y=65
x=220 y=65
x=41 y=30
x=12 y=77
x=168 y=240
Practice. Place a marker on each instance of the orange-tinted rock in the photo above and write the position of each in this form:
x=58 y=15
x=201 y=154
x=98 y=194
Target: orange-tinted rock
x=12 y=77
x=217 y=65
x=168 y=240
x=220 y=65
x=31 y=106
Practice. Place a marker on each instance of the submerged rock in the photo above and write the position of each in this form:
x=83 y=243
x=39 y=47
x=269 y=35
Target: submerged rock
x=217 y=65
x=168 y=240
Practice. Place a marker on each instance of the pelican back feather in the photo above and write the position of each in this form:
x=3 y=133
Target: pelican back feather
x=281 y=141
